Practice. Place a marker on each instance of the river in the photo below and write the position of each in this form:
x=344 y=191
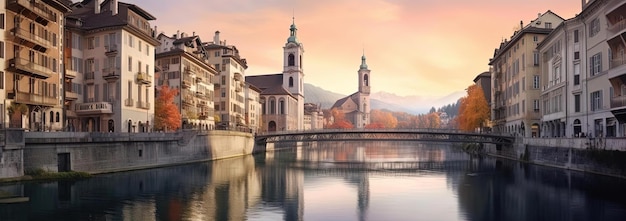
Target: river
x=329 y=181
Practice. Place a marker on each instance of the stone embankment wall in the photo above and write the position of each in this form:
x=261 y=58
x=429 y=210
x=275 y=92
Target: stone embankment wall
x=112 y=152
x=11 y=152
x=597 y=155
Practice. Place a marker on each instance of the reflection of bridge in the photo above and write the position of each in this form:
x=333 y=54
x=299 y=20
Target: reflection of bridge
x=434 y=135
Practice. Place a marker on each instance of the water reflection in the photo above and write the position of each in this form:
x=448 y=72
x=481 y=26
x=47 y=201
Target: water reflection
x=330 y=181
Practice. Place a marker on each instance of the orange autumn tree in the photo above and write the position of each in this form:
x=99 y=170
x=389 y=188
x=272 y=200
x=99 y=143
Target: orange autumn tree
x=340 y=121
x=166 y=114
x=474 y=110
x=386 y=119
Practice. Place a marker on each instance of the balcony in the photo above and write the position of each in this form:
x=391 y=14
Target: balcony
x=186 y=84
x=238 y=88
x=143 y=105
x=111 y=74
x=189 y=71
x=199 y=94
x=616 y=28
x=26 y=67
x=618 y=108
x=70 y=95
x=89 y=77
x=144 y=78
x=188 y=101
x=110 y=50
x=31 y=40
x=238 y=77
x=94 y=108
x=128 y=102
x=33 y=9
x=199 y=80
x=70 y=74
x=34 y=99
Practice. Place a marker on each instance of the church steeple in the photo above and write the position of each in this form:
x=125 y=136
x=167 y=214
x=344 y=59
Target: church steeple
x=293 y=32
x=363 y=64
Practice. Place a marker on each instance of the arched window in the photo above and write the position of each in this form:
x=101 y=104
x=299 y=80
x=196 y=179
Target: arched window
x=290 y=81
x=51 y=116
x=281 y=106
x=300 y=61
x=366 y=79
x=58 y=117
x=291 y=60
x=272 y=106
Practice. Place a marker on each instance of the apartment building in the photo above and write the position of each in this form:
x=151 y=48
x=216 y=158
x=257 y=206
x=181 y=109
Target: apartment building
x=110 y=66
x=516 y=78
x=34 y=29
x=253 y=108
x=184 y=65
x=229 y=84
x=613 y=15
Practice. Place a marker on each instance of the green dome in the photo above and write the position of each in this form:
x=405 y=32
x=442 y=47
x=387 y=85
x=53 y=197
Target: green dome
x=363 y=64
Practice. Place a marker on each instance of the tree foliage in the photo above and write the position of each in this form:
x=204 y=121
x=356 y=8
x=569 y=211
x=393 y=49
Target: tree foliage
x=383 y=117
x=339 y=120
x=474 y=110
x=167 y=117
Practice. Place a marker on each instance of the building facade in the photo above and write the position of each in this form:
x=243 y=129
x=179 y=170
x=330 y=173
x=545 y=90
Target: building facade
x=282 y=95
x=356 y=106
x=34 y=54
x=516 y=78
x=229 y=84
x=111 y=53
x=184 y=65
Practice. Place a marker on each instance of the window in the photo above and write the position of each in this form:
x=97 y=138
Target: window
x=131 y=41
x=576 y=74
x=536 y=82
x=58 y=117
x=577 y=103
x=576 y=55
x=575 y=36
x=594 y=27
x=596 y=100
x=281 y=106
x=548 y=24
x=1 y=49
x=147 y=49
x=290 y=81
x=291 y=60
x=91 y=43
x=535 y=38
x=139 y=44
x=272 y=106
x=1 y=79
x=130 y=63
x=595 y=64
x=536 y=58
x=2 y=21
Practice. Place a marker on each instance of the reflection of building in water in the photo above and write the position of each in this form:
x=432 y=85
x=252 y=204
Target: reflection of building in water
x=376 y=151
x=283 y=186
x=140 y=210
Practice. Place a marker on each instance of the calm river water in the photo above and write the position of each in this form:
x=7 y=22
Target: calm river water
x=330 y=181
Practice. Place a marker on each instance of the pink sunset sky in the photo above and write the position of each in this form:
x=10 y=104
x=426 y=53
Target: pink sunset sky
x=427 y=48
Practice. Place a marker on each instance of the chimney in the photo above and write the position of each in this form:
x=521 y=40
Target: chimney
x=225 y=43
x=538 y=15
x=521 y=24
x=216 y=38
x=96 y=8
x=177 y=34
x=194 y=34
x=155 y=29
x=183 y=35
x=113 y=7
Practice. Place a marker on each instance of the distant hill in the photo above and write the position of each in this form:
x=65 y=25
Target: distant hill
x=381 y=100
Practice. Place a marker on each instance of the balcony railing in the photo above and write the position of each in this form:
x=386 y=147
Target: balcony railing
x=29 y=68
x=70 y=74
x=35 y=99
x=110 y=50
x=143 y=105
x=144 y=78
x=128 y=102
x=89 y=77
x=111 y=73
x=32 y=40
x=70 y=95
x=619 y=101
x=617 y=27
x=94 y=108
x=40 y=9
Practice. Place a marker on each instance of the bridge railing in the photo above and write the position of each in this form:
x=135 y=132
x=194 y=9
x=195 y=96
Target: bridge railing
x=410 y=130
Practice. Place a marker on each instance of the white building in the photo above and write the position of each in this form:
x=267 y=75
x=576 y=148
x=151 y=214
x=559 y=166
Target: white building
x=112 y=56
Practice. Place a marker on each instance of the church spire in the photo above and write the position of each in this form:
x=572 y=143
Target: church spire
x=363 y=64
x=293 y=31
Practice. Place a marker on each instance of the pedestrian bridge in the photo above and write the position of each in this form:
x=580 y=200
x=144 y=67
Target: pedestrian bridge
x=432 y=135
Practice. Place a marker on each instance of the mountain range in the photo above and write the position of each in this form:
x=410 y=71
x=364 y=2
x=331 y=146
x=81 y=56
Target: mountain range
x=382 y=100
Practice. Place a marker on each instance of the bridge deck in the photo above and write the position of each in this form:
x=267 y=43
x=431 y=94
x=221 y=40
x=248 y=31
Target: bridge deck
x=435 y=135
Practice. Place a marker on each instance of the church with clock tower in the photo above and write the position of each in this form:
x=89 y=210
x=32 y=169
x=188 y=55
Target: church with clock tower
x=282 y=94
x=356 y=106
